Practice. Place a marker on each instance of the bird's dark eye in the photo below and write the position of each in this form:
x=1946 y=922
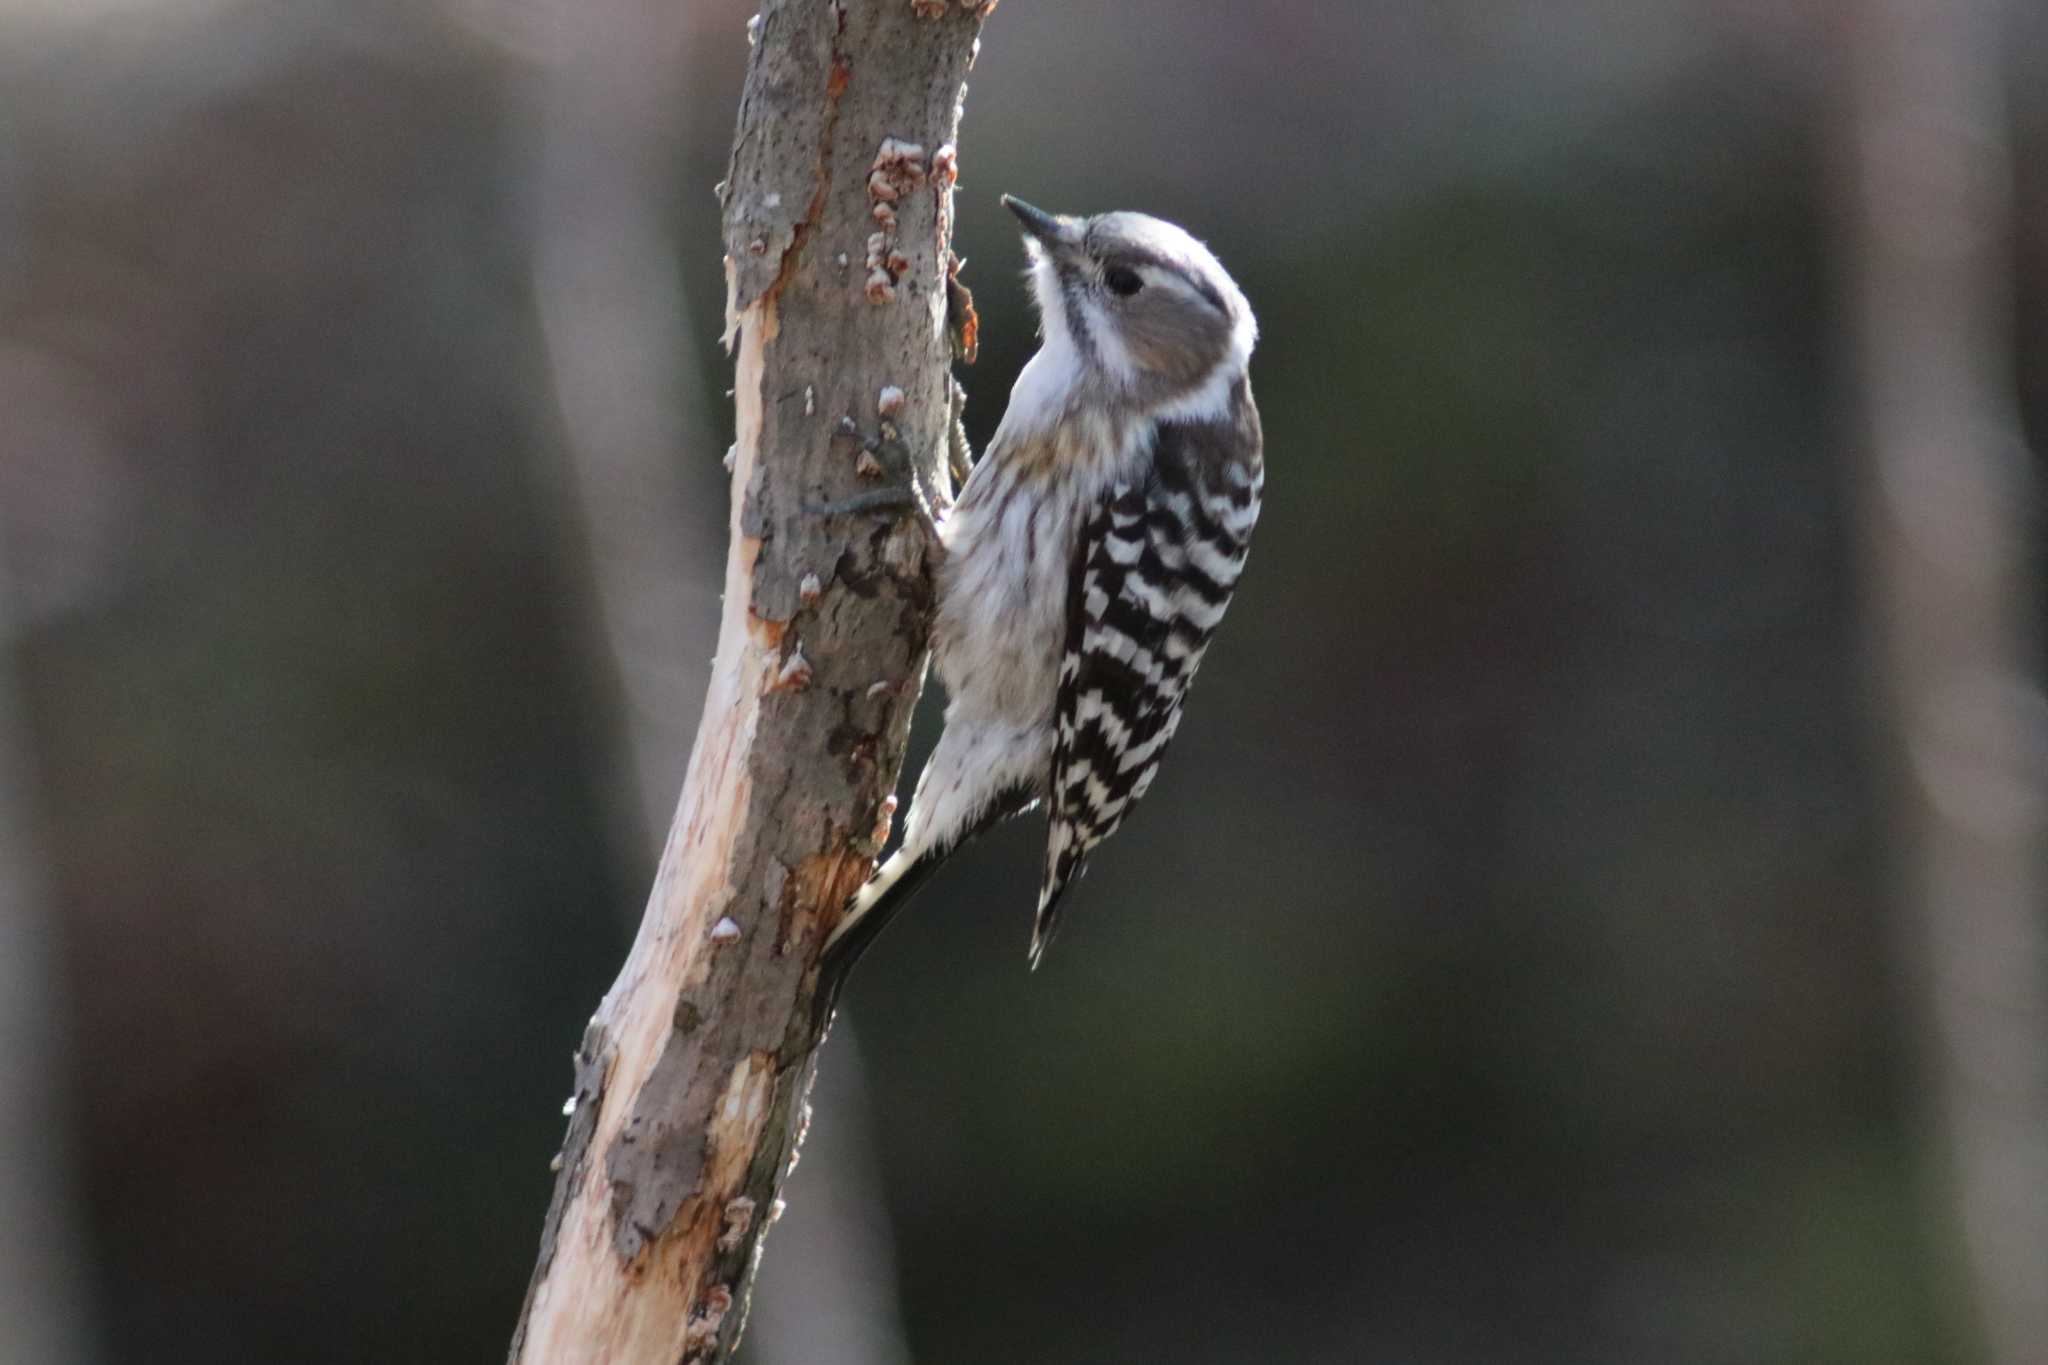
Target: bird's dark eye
x=1122 y=281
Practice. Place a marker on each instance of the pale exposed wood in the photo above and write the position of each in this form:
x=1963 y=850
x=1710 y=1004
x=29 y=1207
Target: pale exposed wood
x=1948 y=529
x=691 y=1077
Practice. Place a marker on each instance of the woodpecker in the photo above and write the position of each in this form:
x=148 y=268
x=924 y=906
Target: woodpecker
x=1091 y=554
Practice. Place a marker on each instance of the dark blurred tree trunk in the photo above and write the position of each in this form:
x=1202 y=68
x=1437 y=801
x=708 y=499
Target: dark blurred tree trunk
x=42 y=1301
x=691 y=1078
x=1948 y=541
x=606 y=149
x=831 y=1293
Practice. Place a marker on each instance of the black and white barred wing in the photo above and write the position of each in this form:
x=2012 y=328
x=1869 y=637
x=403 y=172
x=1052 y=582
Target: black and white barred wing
x=1155 y=569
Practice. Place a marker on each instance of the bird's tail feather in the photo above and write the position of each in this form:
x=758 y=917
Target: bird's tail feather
x=1047 y=921
x=873 y=907
x=883 y=895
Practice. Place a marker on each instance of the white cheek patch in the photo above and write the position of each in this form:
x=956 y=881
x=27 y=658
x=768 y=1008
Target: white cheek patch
x=1208 y=401
x=1108 y=343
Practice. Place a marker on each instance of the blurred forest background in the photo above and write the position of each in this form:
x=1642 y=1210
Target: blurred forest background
x=1510 y=965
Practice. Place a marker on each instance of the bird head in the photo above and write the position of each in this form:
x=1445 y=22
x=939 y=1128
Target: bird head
x=1149 y=313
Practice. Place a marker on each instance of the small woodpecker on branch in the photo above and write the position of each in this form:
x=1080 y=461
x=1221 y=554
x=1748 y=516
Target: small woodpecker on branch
x=1090 y=556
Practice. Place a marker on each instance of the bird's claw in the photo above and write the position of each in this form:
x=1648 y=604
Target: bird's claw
x=884 y=455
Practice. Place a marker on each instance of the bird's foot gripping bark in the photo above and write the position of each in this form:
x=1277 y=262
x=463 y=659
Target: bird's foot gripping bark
x=959 y=454
x=885 y=456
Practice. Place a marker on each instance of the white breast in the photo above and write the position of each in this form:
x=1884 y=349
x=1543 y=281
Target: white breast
x=1003 y=598
x=1003 y=589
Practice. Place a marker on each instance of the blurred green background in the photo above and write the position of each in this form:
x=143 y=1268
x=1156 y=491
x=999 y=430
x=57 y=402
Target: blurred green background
x=1504 y=967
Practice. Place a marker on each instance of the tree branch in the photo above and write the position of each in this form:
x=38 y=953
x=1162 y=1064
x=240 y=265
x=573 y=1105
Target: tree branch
x=691 y=1077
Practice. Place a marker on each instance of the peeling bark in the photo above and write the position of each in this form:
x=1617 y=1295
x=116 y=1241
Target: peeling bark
x=692 y=1077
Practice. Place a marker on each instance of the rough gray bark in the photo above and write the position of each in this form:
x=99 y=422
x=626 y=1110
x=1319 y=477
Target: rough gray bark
x=1948 y=530
x=690 y=1080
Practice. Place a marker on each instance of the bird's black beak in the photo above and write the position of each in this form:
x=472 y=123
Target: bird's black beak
x=1054 y=232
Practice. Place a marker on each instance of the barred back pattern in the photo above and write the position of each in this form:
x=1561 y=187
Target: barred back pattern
x=1155 y=566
